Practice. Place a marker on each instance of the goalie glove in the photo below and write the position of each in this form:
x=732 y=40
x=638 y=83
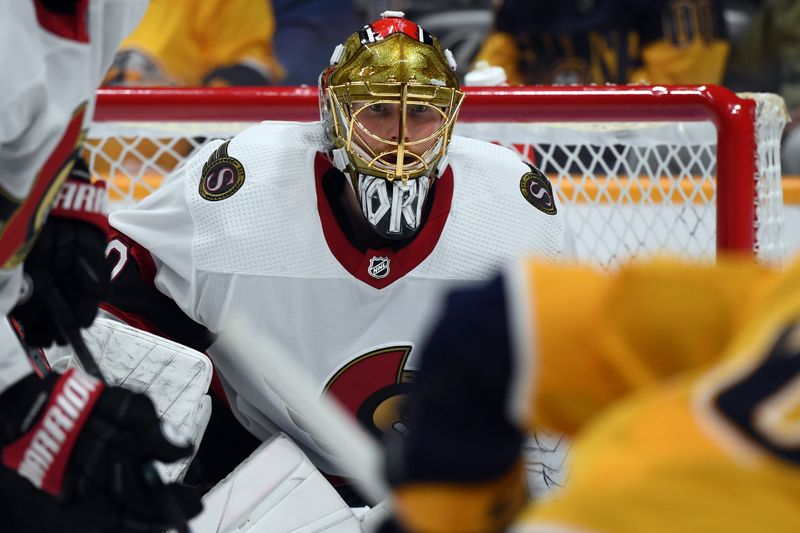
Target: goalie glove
x=86 y=445
x=69 y=256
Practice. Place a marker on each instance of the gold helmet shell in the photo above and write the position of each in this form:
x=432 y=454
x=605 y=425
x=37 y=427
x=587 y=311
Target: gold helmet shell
x=390 y=62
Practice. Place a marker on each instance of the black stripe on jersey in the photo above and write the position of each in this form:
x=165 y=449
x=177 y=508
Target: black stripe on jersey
x=131 y=294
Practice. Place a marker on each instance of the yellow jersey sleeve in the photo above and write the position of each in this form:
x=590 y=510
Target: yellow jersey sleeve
x=696 y=62
x=599 y=336
x=679 y=381
x=711 y=449
x=192 y=42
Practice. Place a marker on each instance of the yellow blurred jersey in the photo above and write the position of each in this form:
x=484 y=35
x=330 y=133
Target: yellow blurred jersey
x=608 y=41
x=199 y=42
x=681 y=384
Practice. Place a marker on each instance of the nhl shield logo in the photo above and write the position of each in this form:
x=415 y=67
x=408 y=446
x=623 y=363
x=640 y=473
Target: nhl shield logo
x=378 y=267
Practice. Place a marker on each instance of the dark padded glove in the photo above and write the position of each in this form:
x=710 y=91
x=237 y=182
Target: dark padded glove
x=86 y=445
x=69 y=256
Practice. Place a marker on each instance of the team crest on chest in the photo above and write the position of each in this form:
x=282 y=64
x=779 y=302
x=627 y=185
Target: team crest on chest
x=378 y=267
x=373 y=387
x=223 y=175
x=538 y=191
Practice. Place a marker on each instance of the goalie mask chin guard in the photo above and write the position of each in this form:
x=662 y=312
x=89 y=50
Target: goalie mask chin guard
x=389 y=102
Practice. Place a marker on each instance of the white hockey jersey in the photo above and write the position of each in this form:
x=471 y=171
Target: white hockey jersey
x=51 y=64
x=247 y=225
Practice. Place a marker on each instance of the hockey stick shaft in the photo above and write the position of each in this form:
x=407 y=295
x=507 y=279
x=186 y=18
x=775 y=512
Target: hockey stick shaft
x=356 y=453
x=62 y=316
x=65 y=322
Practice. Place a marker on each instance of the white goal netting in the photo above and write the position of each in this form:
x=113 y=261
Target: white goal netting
x=627 y=188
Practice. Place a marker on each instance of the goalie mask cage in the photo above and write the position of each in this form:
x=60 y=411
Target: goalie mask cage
x=692 y=171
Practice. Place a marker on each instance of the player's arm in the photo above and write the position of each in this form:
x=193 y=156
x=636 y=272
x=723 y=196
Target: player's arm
x=155 y=285
x=134 y=298
x=173 y=46
x=241 y=51
x=66 y=257
x=682 y=43
x=590 y=337
x=547 y=345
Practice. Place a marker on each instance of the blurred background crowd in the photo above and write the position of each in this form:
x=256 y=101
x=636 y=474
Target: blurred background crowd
x=746 y=45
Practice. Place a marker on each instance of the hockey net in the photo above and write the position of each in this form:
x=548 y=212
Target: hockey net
x=692 y=171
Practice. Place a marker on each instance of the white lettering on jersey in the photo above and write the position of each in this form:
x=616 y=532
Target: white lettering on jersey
x=58 y=420
x=375 y=193
x=406 y=201
x=74 y=196
x=117 y=246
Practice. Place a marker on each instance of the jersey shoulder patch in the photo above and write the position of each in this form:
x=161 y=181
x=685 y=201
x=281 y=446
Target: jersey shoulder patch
x=222 y=175
x=538 y=191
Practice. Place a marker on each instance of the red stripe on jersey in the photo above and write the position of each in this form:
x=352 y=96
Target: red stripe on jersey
x=70 y=26
x=401 y=261
x=22 y=227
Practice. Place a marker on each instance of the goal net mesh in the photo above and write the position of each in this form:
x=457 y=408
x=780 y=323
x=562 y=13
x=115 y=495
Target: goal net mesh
x=628 y=189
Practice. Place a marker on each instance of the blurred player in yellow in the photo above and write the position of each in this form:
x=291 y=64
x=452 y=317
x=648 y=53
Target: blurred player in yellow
x=680 y=383
x=608 y=41
x=199 y=43
x=185 y=43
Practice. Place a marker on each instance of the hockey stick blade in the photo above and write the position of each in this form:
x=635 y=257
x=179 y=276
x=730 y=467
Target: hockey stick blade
x=355 y=452
x=64 y=321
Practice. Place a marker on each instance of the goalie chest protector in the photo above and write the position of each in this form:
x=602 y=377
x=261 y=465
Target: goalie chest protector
x=268 y=246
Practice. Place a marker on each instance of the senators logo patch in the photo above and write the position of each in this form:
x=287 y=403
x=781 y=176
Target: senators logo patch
x=372 y=388
x=538 y=191
x=223 y=175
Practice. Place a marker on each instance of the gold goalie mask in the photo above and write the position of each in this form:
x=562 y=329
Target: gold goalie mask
x=389 y=101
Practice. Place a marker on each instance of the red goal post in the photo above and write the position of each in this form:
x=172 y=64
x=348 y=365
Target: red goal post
x=693 y=170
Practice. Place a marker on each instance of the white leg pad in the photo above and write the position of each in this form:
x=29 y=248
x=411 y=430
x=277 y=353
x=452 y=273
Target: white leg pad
x=275 y=490
x=174 y=376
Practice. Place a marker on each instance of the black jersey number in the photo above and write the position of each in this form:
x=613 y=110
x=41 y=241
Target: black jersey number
x=765 y=403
